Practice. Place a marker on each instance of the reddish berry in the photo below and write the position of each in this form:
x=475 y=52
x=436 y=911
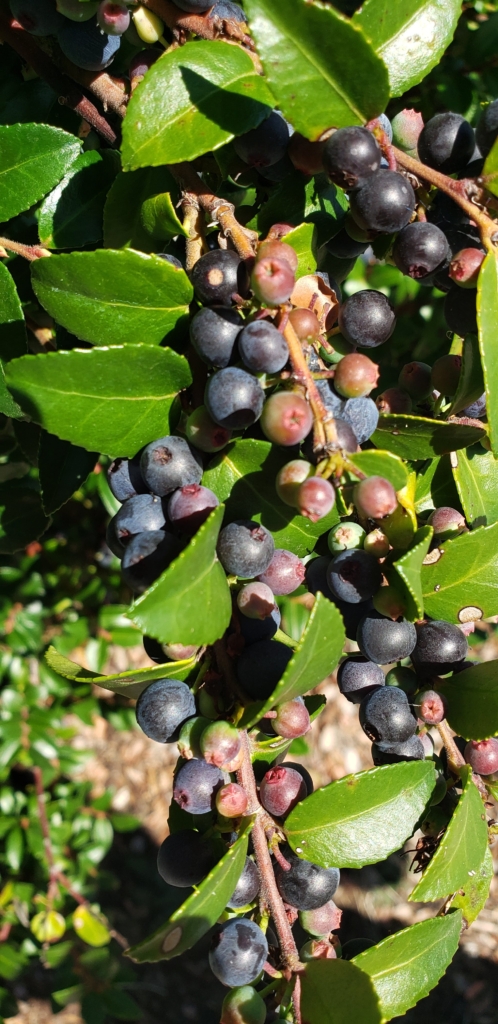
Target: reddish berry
x=286 y=418
x=394 y=400
x=446 y=374
x=322 y=921
x=482 y=755
x=279 y=231
x=355 y=376
x=231 y=801
x=281 y=789
x=316 y=498
x=407 y=126
x=290 y=478
x=285 y=572
x=292 y=719
x=272 y=248
x=204 y=433
x=306 y=156
x=446 y=522
x=415 y=378
x=306 y=324
x=113 y=18
x=465 y=267
x=256 y=601
x=272 y=281
x=375 y=497
x=220 y=743
x=431 y=707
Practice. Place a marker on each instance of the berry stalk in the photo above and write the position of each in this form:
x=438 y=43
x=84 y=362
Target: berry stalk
x=325 y=431
x=218 y=209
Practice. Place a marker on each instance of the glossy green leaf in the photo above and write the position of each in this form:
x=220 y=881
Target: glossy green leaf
x=13 y=341
x=319 y=65
x=89 y=927
x=22 y=518
x=410 y=36
x=33 y=158
x=72 y=215
x=461 y=850
x=159 y=217
x=413 y=437
x=353 y=999
x=487 y=315
x=123 y=226
x=476 y=476
x=63 y=467
x=112 y=400
x=191 y=101
x=303 y=241
x=406 y=573
x=474 y=894
x=190 y=603
x=472 y=698
x=461 y=584
x=407 y=965
x=315 y=657
x=243 y=476
x=490 y=170
x=377 y=463
x=299 y=199
x=471 y=382
x=362 y=818
x=127 y=684
x=199 y=912
x=112 y=298
x=435 y=485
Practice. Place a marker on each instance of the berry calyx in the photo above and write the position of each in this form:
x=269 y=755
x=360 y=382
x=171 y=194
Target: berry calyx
x=431 y=707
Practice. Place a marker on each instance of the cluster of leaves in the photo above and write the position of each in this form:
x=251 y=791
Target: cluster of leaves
x=112 y=317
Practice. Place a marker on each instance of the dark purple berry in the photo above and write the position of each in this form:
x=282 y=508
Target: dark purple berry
x=439 y=645
x=262 y=347
x=419 y=249
x=384 y=641
x=163 y=707
x=189 y=507
x=460 y=310
x=218 y=276
x=247 y=887
x=487 y=128
x=125 y=479
x=306 y=886
x=476 y=410
x=254 y=630
x=39 y=17
x=351 y=155
x=193 y=6
x=86 y=46
x=415 y=378
x=446 y=143
x=354 y=576
x=238 y=952
x=213 y=332
x=137 y=515
x=285 y=572
x=386 y=715
x=357 y=676
x=445 y=374
x=362 y=416
x=185 y=858
x=169 y=463
x=261 y=666
x=343 y=247
x=196 y=785
x=384 y=203
x=245 y=548
x=411 y=749
x=367 y=319
x=234 y=399
x=264 y=145
x=146 y=556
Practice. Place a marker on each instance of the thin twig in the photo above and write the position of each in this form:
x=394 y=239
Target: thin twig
x=325 y=431
x=30 y=252
x=25 y=45
x=219 y=210
x=193 y=222
x=197 y=24
x=456 y=759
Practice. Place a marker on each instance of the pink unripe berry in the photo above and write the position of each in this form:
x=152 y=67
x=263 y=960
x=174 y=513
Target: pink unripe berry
x=279 y=230
x=376 y=543
x=272 y=281
x=231 y=801
x=285 y=572
x=306 y=324
x=281 y=789
x=274 y=249
x=204 y=433
x=406 y=127
x=292 y=719
x=322 y=921
x=375 y=497
x=316 y=498
x=220 y=744
x=482 y=755
x=179 y=652
x=286 y=418
x=355 y=375
x=113 y=18
x=446 y=522
x=290 y=478
x=256 y=601
x=431 y=707
x=465 y=267
x=394 y=400
x=445 y=374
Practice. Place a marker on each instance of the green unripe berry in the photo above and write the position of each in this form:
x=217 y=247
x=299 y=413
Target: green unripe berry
x=243 y=1005
x=404 y=678
x=346 y=536
x=290 y=478
x=376 y=543
x=190 y=735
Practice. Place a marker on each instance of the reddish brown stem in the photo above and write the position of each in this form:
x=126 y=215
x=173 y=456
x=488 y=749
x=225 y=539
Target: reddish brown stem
x=196 y=24
x=218 y=209
x=270 y=893
x=456 y=759
x=30 y=252
x=325 y=432
x=25 y=45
